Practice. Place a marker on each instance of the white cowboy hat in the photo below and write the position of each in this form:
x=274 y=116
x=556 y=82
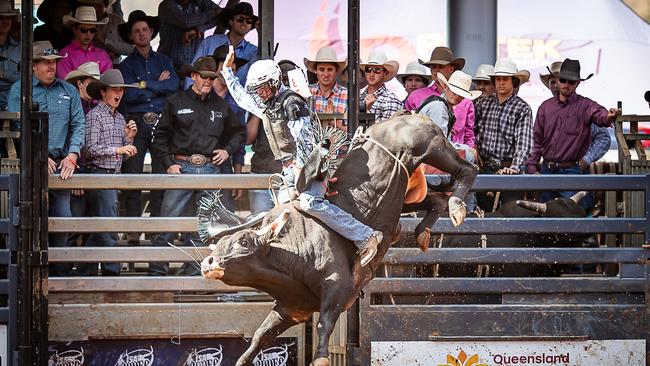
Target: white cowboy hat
x=325 y=55
x=483 y=72
x=460 y=83
x=507 y=67
x=88 y=69
x=83 y=15
x=43 y=50
x=379 y=58
x=414 y=69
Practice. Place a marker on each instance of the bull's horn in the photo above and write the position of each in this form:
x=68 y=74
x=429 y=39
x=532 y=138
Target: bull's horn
x=276 y=225
x=535 y=206
x=579 y=196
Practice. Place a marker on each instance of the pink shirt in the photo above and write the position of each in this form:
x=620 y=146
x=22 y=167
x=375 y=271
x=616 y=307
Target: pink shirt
x=463 y=130
x=78 y=56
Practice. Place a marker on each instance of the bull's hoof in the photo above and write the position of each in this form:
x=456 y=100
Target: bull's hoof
x=423 y=239
x=457 y=210
x=323 y=361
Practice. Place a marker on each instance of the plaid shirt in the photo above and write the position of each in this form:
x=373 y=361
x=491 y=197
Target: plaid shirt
x=386 y=104
x=504 y=131
x=335 y=102
x=104 y=134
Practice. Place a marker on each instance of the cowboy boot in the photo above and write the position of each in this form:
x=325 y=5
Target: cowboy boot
x=369 y=250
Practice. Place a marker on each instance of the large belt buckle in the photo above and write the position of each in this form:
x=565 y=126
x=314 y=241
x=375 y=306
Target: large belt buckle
x=198 y=159
x=150 y=118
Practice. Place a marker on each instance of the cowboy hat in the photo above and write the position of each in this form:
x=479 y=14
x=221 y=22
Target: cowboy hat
x=124 y=29
x=483 y=72
x=570 y=70
x=553 y=71
x=228 y=14
x=6 y=9
x=88 y=69
x=43 y=50
x=414 y=69
x=507 y=67
x=379 y=58
x=47 y=6
x=325 y=55
x=220 y=53
x=460 y=83
x=444 y=56
x=206 y=66
x=83 y=15
x=112 y=78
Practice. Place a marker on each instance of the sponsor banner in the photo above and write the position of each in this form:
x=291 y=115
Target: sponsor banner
x=162 y=352
x=499 y=353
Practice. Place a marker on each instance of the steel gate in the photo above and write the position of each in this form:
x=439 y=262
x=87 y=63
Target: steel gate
x=8 y=271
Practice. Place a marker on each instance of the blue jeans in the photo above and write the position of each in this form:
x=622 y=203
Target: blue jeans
x=260 y=200
x=59 y=206
x=586 y=203
x=183 y=203
x=313 y=202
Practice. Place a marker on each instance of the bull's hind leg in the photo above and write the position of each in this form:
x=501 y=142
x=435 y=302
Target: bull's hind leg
x=442 y=155
x=274 y=324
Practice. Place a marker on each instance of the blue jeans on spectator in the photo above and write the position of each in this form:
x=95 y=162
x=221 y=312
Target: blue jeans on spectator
x=59 y=206
x=260 y=200
x=176 y=203
x=100 y=203
x=586 y=203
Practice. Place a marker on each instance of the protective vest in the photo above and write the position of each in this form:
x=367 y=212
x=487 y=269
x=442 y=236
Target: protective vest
x=450 y=111
x=287 y=106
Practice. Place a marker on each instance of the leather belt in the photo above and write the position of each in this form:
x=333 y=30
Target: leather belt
x=194 y=159
x=562 y=165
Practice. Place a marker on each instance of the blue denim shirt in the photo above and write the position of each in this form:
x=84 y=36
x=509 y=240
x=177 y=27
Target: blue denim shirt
x=11 y=51
x=238 y=156
x=66 y=117
x=136 y=68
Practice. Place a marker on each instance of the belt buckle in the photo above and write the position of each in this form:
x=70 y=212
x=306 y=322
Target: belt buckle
x=150 y=118
x=198 y=159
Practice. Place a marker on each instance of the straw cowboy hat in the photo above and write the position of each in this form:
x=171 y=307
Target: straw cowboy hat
x=83 y=15
x=6 y=9
x=124 y=29
x=444 y=56
x=553 y=71
x=483 y=72
x=507 y=67
x=460 y=83
x=206 y=66
x=43 y=50
x=570 y=70
x=89 y=69
x=325 y=55
x=112 y=78
x=242 y=8
x=379 y=58
x=414 y=69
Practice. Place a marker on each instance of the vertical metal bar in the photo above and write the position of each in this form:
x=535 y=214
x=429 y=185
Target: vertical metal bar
x=266 y=38
x=472 y=31
x=12 y=273
x=353 y=66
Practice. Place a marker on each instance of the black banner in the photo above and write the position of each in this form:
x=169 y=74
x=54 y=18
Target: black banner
x=163 y=352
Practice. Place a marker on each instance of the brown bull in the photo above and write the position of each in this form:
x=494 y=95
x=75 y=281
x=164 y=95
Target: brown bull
x=306 y=266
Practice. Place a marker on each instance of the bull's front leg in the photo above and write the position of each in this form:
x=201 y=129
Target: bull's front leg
x=335 y=295
x=434 y=205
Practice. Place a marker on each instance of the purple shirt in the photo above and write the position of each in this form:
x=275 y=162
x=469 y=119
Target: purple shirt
x=463 y=130
x=562 y=131
x=78 y=56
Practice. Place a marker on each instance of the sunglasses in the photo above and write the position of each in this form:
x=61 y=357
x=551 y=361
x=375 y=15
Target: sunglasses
x=374 y=70
x=86 y=30
x=570 y=82
x=207 y=77
x=244 y=20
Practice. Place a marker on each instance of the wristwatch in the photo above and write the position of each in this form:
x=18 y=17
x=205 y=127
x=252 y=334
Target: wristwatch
x=142 y=84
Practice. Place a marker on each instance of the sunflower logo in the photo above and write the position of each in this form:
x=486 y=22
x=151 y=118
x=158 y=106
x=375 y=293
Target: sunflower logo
x=463 y=360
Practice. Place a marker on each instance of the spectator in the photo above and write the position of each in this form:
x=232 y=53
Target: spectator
x=9 y=52
x=482 y=80
x=82 y=49
x=107 y=37
x=562 y=129
x=154 y=74
x=503 y=129
x=65 y=131
x=191 y=139
x=182 y=23
x=414 y=77
x=285 y=67
x=376 y=98
x=109 y=141
x=329 y=96
x=239 y=21
x=51 y=13
x=80 y=78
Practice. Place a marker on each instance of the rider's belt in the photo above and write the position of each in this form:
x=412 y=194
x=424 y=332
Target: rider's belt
x=561 y=165
x=194 y=159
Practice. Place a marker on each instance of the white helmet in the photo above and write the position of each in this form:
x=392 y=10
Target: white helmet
x=260 y=74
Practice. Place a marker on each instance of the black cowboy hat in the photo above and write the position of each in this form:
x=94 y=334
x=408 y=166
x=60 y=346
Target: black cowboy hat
x=220 y=53
x=46 y=7
x=124 y=29
x=570 y=70
x=241 y=8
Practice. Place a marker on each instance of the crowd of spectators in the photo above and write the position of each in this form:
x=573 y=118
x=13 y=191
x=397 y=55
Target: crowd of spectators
x=112 y=99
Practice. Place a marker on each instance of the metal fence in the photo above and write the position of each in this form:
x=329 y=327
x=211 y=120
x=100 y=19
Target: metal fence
x=9 y=272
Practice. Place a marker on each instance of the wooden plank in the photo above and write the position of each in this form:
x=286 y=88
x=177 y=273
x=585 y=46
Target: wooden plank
x=139 y=284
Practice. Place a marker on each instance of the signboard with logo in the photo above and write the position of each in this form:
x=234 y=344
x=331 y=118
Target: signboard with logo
x=162 y=352
x=500 y=353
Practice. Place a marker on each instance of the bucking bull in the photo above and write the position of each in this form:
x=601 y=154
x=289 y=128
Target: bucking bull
x=305 y=266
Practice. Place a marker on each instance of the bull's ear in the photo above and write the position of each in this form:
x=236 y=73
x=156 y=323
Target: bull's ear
x=273 y=229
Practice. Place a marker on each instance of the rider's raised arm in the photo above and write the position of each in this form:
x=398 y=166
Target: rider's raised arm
x=239 y=94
